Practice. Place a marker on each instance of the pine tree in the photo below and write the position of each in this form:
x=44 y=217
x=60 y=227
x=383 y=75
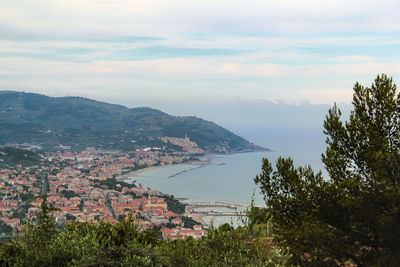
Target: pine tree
x=354 y=215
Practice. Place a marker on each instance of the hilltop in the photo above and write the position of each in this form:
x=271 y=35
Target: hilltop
x=81 y=122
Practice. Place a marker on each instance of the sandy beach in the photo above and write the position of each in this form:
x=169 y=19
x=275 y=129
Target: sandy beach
x=137 y=173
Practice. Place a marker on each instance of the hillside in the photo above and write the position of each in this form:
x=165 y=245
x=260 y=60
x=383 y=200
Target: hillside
x=11 y=157
x=81 y=122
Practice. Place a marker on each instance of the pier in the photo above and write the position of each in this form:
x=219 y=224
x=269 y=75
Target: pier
x=220 y=213
x=212 y=203
x=216 y=203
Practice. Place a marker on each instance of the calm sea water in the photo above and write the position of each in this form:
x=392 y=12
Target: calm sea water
x=229 y=178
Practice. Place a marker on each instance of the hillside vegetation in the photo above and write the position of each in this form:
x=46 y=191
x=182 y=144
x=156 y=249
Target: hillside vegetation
x=351 y=218
x=81 y=122
x=11 y=157
x=125 y=244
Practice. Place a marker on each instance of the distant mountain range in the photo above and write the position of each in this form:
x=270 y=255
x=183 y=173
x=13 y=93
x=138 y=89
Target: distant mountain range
x=81 y=122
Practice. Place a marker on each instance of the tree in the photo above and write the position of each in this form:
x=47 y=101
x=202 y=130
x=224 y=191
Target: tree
x=5 y=229
x=127 y=244
x=69 y=216
x=354 y=215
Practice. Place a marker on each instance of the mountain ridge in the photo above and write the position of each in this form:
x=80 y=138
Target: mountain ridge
x=81 y=122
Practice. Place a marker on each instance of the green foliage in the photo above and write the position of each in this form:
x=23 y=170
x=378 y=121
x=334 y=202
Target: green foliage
x=10 y=157
x=174 y=204
x=171 y=225
x=81 y=122
x=126 y=244
x=353 y=217
x=133 y=194
x=69 y=194
x=113 y=184
x=69 y=216
x=83 y=244
x=5 y=229
x=81 y=204
x=21 y=211
x=27 y=196
x=36 y=241
x=189 y=222
x=127 y=185
x=226 y=246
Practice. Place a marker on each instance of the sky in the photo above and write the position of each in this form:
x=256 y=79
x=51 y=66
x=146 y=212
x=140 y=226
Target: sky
x=268 y=70
x=195 y=52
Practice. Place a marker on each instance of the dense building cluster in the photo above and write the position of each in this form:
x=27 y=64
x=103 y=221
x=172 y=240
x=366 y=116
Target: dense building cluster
x=187 y=145
x=85 y=186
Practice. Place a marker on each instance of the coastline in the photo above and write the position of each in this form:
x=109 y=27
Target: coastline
x=136 y=173
x=189 y=189
x=169 y=181
x=201 y=163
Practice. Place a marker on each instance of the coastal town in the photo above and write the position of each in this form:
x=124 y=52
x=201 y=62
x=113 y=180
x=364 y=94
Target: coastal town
x=87 y=186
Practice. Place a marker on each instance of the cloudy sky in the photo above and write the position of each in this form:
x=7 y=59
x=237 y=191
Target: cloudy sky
x=132 y=52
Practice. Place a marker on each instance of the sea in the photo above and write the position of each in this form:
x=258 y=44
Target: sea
x=230 y=177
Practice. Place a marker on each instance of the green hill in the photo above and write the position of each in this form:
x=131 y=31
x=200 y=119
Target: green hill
x=81 y=122
x=10 y=157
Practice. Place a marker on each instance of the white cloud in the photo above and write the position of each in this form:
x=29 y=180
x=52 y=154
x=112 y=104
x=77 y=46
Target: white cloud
x=353 y=58
x=167 y=18
x=191 y=77
x=274 y=41
x=316 y=96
